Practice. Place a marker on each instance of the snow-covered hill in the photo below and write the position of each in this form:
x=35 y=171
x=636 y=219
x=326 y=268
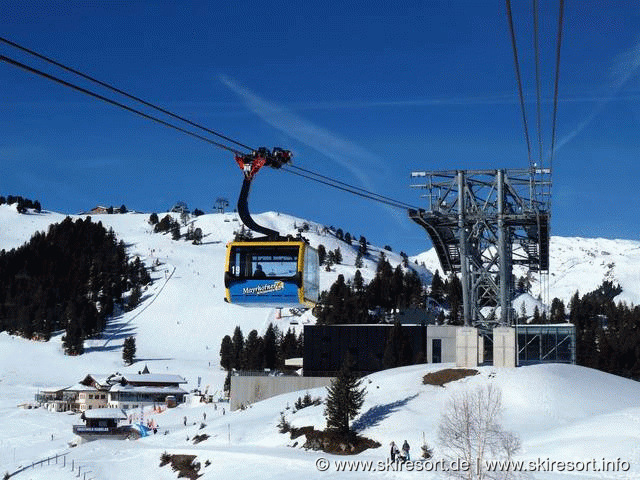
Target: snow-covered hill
x=562 y=412
x=186 y=297
x=580 y=264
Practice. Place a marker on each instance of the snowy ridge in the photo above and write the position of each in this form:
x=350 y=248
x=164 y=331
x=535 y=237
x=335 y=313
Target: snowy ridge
x=580 y=264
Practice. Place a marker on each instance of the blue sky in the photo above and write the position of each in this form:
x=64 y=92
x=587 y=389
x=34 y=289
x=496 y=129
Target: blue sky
x=364 y=92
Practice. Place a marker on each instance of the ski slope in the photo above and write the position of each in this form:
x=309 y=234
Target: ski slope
x=560 y=412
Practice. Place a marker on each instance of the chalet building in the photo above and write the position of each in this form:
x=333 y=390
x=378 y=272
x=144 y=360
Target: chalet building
x=120 y=391
x=134 y=391
x=86 y=397
x=55 y=399
x=98 y=210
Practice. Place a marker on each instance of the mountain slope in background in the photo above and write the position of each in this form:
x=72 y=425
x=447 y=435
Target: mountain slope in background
x=580 y=264
x=186 y=298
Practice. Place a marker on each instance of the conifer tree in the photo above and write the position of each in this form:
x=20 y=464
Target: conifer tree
x=358 y=263
x=536 y=315
x=437 y=286
x=226 y=353
x=345 y=397
x=322 y=254
x=72 y=341
x=129 y=350
x=363 y=246
x=358 y=282
x=270 y=347
x=237 y=343
x=288 y=346
x=558 y=313
x=254 y=351
x=134 y=298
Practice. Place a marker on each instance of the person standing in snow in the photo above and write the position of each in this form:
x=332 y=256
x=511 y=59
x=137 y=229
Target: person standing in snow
x=405 y=450
x=394 y=451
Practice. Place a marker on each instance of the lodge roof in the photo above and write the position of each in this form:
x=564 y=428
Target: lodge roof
x=106 y=413
x=164 y=378
x=150 y=390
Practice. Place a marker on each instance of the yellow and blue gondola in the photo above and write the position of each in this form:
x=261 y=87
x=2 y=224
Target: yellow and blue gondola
x=271 y=274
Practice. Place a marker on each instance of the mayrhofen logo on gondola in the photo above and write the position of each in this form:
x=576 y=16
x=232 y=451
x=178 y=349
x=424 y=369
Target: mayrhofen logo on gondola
x=260 y=289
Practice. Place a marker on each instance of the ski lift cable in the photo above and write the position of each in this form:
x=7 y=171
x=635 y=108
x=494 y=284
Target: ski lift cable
x=555 y=91
x=391 y=203
x=121 y=92
x=114 y=102
x=519 y=79
x=330 y=181
x=351 y=186
x=537 y=75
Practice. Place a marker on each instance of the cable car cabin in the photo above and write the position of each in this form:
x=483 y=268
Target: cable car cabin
x=271 y=274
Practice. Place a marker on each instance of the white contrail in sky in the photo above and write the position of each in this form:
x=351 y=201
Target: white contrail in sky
x=344 y=152
x=625 y=67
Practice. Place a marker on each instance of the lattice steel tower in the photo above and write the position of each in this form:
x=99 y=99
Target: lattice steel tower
x=481 y=223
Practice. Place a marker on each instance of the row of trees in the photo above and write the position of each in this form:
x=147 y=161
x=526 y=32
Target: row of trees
x=70 y=278
x=259 y=352
x=23 y=203
x=607 y=334
x=352 y=301
x=171 y=225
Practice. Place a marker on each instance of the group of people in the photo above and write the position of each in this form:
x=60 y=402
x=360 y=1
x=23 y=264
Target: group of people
x=396 y=454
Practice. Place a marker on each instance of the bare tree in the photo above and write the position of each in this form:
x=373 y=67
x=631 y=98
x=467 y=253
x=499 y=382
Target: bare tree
x=470 y=431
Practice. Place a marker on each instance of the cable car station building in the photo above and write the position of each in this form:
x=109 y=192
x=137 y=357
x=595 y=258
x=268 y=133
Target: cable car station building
x=481 y=223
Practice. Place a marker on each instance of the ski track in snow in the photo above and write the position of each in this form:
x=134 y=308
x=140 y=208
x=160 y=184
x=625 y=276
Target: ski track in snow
x=147 y=304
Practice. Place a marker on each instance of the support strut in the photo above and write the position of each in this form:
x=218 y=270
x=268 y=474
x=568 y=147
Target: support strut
x=245 y=216
x=250 y=165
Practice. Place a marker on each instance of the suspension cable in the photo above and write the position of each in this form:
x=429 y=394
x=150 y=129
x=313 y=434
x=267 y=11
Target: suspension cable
x=517 y=67
x=350 y=186
x=122 y=92
x=555 y=91
x=391 y=203
x=537 y=62
x=309 y=174
x=114 y=102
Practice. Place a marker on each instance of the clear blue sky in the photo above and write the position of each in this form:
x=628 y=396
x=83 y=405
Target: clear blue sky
x=364 y=92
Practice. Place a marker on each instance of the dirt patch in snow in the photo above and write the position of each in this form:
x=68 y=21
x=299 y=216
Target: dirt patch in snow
x=185 y=465
x=331 y=441
x=442 y=377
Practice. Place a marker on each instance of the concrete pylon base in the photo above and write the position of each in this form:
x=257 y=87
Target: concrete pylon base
x=467 y=347
x=504 y=347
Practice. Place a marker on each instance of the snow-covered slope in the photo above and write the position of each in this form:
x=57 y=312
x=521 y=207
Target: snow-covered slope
x=562 y=412
x=186 y=297
x=580 y=264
